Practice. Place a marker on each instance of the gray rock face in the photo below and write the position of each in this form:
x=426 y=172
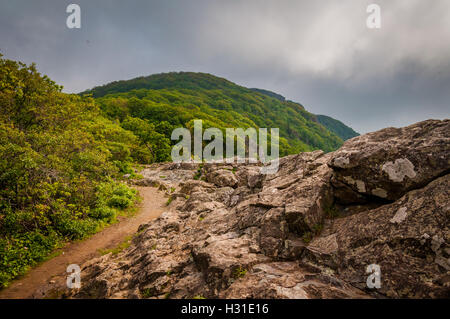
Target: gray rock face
x=230 y=232
x=408 y=239
x=221 y=177
x=287 y=280
x=390 y=162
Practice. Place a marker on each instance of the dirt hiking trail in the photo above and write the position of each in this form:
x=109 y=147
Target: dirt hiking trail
x=52 y=273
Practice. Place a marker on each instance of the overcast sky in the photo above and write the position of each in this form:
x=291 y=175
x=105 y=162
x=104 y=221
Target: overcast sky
x=318 y=53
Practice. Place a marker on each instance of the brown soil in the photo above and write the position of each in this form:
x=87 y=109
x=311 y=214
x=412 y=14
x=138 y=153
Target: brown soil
x=47 y=279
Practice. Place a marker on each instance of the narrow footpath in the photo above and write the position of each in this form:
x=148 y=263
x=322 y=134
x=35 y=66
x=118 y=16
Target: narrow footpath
x=53 y=271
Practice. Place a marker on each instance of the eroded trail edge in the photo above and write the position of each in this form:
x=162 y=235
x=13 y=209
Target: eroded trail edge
x=52 y=273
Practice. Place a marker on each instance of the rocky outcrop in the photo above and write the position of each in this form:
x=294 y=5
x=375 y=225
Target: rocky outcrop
x=308 y=231
x=388 y=163
x=408 y=239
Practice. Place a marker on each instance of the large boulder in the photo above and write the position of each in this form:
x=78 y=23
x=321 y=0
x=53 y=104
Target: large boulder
x=222 y=177
x=286 y=280
x=388 y=163
x=409 y=239
x=224 y=258
x=302 y=186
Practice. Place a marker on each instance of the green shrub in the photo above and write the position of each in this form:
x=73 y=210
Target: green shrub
x=18 y=253
x=124 y=167
x=59 y=158
x=115 y=195
x=77 y=228
x=103 y=213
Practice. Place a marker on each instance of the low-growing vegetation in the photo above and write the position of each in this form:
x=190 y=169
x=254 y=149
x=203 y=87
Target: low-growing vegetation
x=239 y=272
x=315 y=231
x=331 y=211
x=119 y=248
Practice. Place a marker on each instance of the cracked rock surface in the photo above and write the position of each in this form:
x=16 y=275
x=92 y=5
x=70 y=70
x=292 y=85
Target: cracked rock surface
x=308 y=231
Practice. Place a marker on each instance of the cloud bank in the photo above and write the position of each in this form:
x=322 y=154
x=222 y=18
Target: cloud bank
x=319 y=53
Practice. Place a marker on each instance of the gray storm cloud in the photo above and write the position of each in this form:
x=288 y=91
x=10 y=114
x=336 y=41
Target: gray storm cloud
x=319 y=53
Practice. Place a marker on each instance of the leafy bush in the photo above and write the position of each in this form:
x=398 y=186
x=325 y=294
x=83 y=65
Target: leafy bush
x=59 y=158
x=115 y=195
x=105 y=213
x=18 y=253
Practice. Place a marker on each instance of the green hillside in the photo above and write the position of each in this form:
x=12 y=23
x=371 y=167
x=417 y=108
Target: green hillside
x=277 y=96
x=172 y=100
x=337 y=127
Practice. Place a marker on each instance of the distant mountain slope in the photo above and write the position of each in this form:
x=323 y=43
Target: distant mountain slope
x=337 y=127
x=277 y=96
x=177 y=98
x=171 y=80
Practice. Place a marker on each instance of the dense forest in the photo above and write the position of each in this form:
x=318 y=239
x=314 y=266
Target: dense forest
x=64 y=156
x=170 y=100
x=333 y=125
x=337 y=127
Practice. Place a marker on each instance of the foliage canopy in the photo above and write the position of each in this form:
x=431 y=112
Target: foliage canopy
x=176 y=99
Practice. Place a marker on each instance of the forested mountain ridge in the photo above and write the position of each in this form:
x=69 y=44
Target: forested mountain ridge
x=270 y=93
x=177 y=98
x=337 y=127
